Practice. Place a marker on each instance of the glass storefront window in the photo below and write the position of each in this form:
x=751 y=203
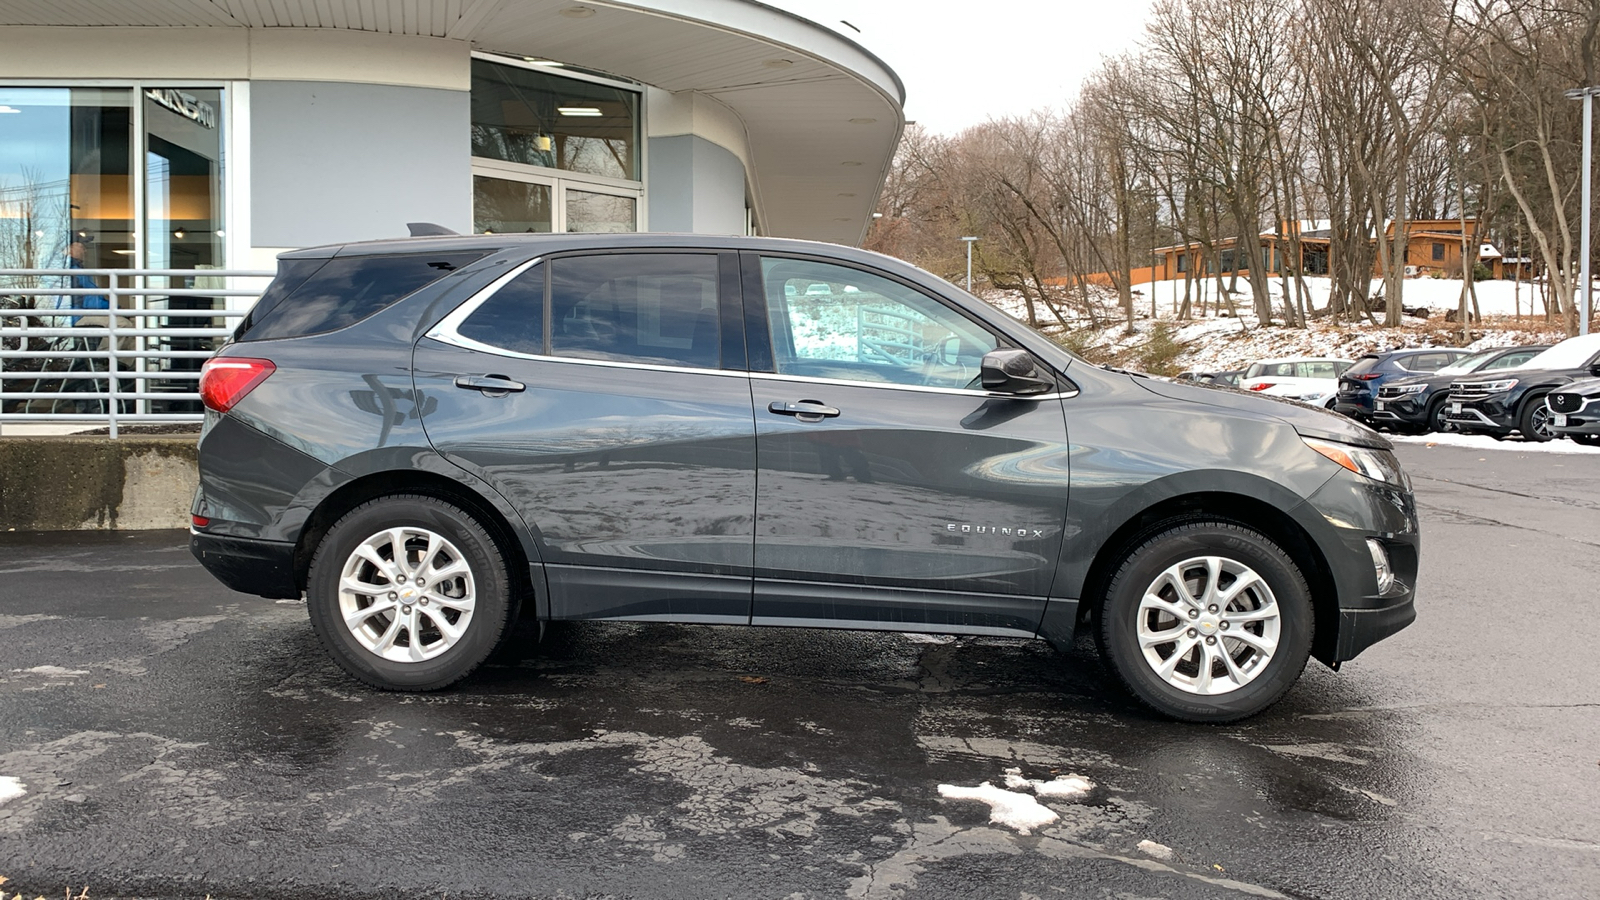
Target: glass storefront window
x=537 y=119
x=66 y=195
x=503 y=206
x=599 y=213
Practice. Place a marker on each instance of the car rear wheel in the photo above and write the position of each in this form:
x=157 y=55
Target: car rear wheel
x=1207 y=621
x=1535 y=421
x=409 y=593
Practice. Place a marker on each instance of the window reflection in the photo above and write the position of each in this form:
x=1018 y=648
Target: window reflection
x=536 y=119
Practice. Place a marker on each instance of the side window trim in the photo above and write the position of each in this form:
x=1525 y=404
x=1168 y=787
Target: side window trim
x=731 y=311
x=447 y=330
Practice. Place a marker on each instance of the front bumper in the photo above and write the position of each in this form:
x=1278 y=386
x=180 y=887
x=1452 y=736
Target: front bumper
x=1583 y=420
x=1495 y=414
x=1407 y=411
x=1355 y=510
x=263 y=568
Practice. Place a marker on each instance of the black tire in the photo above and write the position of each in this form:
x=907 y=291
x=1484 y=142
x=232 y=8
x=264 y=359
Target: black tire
x=1534 y=423
x=1435 y=421
x=1120 y=614
x=485 y=577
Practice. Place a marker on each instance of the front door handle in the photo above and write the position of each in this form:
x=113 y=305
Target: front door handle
x=805 y=410
x=491 y=385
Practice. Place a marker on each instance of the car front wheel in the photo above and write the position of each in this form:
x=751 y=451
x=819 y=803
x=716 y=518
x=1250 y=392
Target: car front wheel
x=1207 y=621
x=409 y=593
x=1535 y=421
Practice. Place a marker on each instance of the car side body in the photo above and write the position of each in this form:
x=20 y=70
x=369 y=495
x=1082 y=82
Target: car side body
x=1310 y=380
x=714 y=485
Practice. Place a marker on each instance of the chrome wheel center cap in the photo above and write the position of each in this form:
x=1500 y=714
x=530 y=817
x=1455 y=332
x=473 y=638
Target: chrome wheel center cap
x=1208 y=624
x=408 y=594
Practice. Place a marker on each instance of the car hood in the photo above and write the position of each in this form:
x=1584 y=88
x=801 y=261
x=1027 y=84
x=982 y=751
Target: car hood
x=1584 y=388
x=1309 y=421
x=1558 y=376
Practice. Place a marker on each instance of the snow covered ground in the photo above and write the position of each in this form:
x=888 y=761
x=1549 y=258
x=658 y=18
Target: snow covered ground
x=1221 y=342
x=1484 y=442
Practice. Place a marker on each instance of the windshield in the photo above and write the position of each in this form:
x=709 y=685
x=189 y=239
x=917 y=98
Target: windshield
x=1569 y=354
x=1467 y=364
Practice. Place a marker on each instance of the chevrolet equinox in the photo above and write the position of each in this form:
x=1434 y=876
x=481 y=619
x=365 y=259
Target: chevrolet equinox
x=424 y=436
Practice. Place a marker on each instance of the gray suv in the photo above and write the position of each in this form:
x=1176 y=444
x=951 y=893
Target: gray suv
x=425 y=437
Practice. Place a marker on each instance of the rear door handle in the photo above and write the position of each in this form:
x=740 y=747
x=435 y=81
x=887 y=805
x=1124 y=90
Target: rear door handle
x=491 y=385
x=805 y=410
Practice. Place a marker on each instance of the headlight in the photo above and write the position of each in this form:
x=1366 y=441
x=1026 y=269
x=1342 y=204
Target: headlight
x=1496 y=387
x=1379 y=465
x=1409 y=388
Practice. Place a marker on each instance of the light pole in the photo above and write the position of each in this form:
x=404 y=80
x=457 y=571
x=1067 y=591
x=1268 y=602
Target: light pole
x=1586 y=94
x=969 y=241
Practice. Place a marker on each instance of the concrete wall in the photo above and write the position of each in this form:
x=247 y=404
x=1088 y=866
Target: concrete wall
x=334 y=162
x=695 y=186
x=87 y=483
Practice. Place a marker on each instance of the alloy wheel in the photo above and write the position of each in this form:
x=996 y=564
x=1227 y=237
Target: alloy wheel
x=1208 y=625
x=406 y=594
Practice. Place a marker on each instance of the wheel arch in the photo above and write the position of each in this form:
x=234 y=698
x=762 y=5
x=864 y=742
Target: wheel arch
x=351 y=494
x=1258 y=515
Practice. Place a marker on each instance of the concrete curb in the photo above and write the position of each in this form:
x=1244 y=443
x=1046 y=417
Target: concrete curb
x=95 y=483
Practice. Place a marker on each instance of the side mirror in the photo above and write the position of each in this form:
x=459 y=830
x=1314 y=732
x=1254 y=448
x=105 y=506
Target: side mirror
x=1013 y=372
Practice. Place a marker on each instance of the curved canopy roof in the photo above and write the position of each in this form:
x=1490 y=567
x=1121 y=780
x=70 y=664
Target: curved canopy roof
x=821 y=113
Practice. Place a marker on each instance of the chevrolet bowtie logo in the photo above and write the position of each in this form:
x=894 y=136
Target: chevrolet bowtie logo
x=994 y=529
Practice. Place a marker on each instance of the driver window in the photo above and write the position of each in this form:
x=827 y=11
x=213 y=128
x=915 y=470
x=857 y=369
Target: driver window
x=830 y=321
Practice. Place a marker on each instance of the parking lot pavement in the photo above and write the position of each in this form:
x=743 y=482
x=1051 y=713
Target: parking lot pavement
x=173 y=739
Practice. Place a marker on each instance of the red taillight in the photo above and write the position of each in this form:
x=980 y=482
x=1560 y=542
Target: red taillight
x=225 y=380
x=1367 y=377
x=200 y=521
x=1260 y=385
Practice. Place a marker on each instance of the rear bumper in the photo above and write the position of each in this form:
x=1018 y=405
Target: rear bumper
x=263 y=568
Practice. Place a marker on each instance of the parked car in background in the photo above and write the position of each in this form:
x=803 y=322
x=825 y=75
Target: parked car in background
x=1314 y=381
x=1417 y=404
x=1499 y=403
x=1359 y=386
x=1224 y=379
x=1575 y=411
x=423 y=436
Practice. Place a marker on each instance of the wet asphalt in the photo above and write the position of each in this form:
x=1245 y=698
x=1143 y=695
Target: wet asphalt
x=193 y=742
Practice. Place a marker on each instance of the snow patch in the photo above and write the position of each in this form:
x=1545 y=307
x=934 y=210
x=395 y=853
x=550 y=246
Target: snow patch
x=10 y=788
x=1159 y=851
x=1013 y=810
x=52 y=671
x=1484 y=442
x=1061 y=786
x=917 y=638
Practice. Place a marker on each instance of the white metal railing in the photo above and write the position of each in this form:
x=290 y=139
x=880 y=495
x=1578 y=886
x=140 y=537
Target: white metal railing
x=137 y=361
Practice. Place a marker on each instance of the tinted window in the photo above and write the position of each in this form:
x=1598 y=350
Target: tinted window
x=291 y=274
x=658 y=308
x=1319 y=370
x=1364 y=364
x=1512 y=360
x=512 y=319
x=344 y=291
x=1428 y=362
x=835 y=322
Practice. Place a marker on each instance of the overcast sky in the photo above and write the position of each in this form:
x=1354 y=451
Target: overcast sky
x=965 y=62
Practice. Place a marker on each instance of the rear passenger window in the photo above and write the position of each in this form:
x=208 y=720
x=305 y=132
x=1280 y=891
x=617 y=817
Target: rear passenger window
x=343 y=291
x=656 y=308
x=513 y=318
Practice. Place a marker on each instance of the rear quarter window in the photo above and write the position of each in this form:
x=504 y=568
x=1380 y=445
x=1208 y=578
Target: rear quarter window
x=313 y=296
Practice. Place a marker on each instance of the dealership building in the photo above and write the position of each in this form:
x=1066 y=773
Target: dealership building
x=213 y=134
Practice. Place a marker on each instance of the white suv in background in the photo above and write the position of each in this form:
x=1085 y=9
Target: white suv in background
x=1314 y=381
